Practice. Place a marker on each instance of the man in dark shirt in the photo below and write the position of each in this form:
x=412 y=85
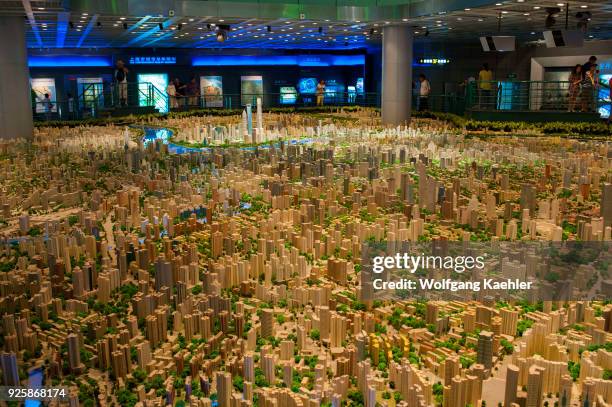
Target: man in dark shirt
x=587 y=66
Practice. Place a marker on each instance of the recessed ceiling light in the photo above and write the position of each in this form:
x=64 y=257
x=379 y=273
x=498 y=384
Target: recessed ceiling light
x=404 y=19
x=122 y=18
x=467 y=9
x=191 y=19
x=41 y=8
x=525 y=14
x=498 y=4
x=560 y=4
x=221 y=21
x=416 y=32
x=536 y=7
x=590 y=36
x=115 y=25
x=584 y=6
x=85 y=14
x=480 y=19
x=504 y=12
x=458 y=19
x=79 y=26
x=533 y=33
x=357 y=21
x=423 y=27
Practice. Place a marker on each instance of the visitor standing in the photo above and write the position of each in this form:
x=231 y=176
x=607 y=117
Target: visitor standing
x=320 y=92
x=485 y=86
x=171 y=92
x=192 y=92
x=121 y=80
x=587 y=65
x=424 y=92
x=180 y=92
x=589 y=83
x=47 y=106
x=70 y=105
x=574 y=86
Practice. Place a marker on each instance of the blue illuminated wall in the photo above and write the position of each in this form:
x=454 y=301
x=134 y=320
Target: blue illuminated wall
x=278 y=69
x=63 y=61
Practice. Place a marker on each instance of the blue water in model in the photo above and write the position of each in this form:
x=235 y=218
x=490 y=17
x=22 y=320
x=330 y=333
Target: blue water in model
x=34 y=380
x=164 y=134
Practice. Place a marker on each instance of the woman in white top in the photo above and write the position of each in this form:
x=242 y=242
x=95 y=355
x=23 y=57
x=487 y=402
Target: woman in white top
x=424 y=92
x=171 y=91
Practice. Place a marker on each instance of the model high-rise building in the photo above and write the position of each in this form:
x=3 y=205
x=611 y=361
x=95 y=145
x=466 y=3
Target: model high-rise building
x=534 y=386
x=10 y=374
x=485 y=349
x=74 y=353
x=512 y=377
x=606 y=204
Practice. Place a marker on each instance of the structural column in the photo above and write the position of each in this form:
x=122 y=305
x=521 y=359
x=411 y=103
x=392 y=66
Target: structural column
x=396 y=74
x=15 y=100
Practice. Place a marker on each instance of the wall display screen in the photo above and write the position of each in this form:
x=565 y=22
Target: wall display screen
x=359 y=85
x=251 y=87
x=307 y=85
x=288 y=95
x=90 y=92
x=211 y=89
x=41 y=86
x=604 y=95
x=334 y=91
x=160 y=82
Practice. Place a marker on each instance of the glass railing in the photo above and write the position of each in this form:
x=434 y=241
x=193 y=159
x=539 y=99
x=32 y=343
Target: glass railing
x=99 y=100
x=141 y=95
x=547 y=96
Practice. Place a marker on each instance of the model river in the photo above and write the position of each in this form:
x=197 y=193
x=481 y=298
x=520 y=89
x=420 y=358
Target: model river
x=151 y=134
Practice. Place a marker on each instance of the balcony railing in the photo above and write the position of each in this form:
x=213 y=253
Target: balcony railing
x=521 y=96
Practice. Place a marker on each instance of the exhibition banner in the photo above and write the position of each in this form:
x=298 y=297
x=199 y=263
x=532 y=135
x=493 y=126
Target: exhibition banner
x=41 y=86
x=211 y=89
x=251 y=87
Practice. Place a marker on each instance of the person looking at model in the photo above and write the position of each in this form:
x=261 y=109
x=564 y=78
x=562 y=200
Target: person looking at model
x=121 y=80
x=320 y=92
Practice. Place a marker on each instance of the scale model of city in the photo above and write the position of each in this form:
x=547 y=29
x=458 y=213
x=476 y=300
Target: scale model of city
x=213 y=261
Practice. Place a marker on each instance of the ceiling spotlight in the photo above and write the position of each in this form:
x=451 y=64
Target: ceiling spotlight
x=125 y=26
